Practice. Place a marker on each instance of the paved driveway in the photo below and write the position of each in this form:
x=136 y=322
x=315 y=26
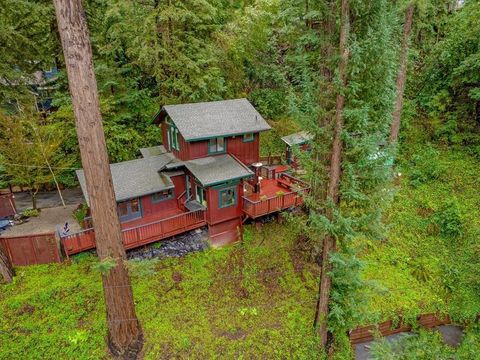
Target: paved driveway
x=49 y=199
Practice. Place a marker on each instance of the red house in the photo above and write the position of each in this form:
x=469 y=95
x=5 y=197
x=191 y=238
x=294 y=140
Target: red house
x=206 y=173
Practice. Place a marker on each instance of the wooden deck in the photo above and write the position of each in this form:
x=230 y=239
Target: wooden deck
x=139 y=232
x=275 y=195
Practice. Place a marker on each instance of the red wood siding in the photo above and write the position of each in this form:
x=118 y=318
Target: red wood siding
x=216 y=215
x=149 y=207
x=165 y=136
x=246 y=152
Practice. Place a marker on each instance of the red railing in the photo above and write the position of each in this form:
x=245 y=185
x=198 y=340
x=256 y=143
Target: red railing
x=139 y=235
x=295 y=190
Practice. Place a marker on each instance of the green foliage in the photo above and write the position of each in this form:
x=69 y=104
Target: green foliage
x=104 y=266
x=427 y=345
x=252 y=300
x=81 y=213
x=424 y=165
x=448 y=219
x=449 y=81
x=30 y=213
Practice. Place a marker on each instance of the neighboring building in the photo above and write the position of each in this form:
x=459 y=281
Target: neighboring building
x=7 y=206
x=301 y=140
x=206 y=173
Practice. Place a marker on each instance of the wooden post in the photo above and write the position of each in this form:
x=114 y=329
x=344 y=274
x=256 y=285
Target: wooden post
x=125 y=337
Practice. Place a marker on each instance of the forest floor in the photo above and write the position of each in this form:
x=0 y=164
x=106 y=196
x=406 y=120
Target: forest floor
x=256 y=300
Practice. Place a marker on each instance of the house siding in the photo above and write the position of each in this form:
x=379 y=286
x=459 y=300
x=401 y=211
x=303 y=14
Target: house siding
x=246 y=152
x=216 y=215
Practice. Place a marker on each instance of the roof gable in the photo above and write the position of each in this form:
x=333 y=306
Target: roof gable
x=198 y=121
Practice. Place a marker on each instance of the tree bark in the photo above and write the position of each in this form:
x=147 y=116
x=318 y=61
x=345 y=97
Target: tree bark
x=125 y=337
x=6 y=268
x=402 y=74
x=329 y=242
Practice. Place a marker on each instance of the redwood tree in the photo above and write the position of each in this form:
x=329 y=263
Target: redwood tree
x=329 y=242
x=402 y=74
x=124 y=332
x=6 y=268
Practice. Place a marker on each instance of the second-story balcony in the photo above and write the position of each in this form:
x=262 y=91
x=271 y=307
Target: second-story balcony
x=277 y=192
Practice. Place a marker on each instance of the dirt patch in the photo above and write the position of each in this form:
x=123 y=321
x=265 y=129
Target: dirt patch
x=237 y=334
x=26 y=309
x=46 y=222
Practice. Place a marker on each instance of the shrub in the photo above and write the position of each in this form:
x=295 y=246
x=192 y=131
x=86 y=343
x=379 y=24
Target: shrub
x=81 y=213
x=448 y=219
x=30 y=213
x=425 y=166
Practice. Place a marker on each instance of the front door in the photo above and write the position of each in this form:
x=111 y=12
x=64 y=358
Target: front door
x=129 y=210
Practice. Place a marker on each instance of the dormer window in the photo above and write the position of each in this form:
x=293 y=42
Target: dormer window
x=216 y=145
x=248 y=137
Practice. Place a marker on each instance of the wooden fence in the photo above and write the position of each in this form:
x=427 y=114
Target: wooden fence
x=31 y=249
x=366 y=333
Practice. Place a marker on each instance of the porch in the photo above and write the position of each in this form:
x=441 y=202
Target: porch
x=139 y=232
x=277 y=193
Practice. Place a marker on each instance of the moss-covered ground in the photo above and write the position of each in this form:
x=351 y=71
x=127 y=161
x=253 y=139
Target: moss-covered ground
x=254 y=300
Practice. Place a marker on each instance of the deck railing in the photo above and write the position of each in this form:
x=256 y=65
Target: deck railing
x=273 y=204
x=139 y=235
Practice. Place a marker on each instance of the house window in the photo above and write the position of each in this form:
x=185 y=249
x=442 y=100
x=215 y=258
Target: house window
x=227 y=197
x=129 y=210
x=248 y=137
x=216 y=145
x=172 y=134
x=162 y=196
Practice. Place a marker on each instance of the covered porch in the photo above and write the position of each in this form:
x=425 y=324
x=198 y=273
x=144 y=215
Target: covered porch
x=277 y=193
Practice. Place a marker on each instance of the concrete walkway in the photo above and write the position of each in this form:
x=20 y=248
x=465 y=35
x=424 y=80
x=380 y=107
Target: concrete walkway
x=46 y=222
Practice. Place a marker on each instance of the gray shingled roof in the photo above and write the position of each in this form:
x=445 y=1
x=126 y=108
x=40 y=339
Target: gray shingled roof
x=136 y=178
x=217 y=169
x=210 y=119
x=153 y=151
x=298 y=138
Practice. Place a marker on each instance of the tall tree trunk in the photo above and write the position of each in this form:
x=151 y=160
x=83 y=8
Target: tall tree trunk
x=6 y=268
x=329 y=243
x=402 y=74
x=125 y=337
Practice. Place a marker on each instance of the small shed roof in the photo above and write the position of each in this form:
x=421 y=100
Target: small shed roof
x=298 y=138
x=216 y=118
x=214 y=170
x=136 y=178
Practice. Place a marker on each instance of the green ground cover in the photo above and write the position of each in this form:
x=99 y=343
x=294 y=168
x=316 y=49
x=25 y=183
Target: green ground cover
x=254 y=300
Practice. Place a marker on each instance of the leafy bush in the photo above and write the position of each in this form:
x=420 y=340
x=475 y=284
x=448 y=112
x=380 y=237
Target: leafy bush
x=81 y=213
x=30 y=213
x=448 y=220
x=424 y=166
